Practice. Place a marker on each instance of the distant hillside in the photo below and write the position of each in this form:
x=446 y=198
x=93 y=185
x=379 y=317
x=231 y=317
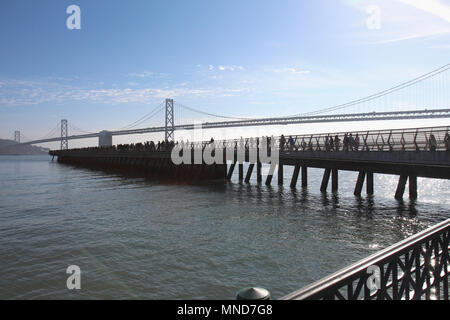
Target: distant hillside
x=9 y=147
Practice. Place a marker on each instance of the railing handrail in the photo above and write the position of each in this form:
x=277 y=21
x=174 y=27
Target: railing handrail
x=362 y=132
x=364 y=264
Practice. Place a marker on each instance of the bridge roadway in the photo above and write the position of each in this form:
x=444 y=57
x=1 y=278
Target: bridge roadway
x=373 y=116
x=407 y=153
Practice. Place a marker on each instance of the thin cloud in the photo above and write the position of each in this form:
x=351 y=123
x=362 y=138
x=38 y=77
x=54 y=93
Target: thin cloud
x=413 y=36
x=292 y=70
x=404 y=20
x=226 y=68
x=22 y=93
x=444 y=46
x=434 y=7
x=146 y=74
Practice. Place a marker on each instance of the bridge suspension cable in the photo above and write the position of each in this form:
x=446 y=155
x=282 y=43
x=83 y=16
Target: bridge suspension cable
x=75 y=128
x=51 y=133
x=369 y=98
x=209 y=114
x=148 y=116
x=381 y=93
x=24 y=138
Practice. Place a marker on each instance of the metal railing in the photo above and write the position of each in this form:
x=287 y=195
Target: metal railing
x=417 y=139
x=416 y=268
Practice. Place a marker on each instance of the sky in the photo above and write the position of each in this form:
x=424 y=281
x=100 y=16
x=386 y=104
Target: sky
x=252 y=58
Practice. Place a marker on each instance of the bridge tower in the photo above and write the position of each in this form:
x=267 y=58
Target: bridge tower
x=64 y=134
x=170 y=122
x=17 y=136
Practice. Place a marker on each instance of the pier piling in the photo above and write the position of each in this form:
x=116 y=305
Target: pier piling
x=325 y=179
x=249 y=172
x=401 y=187
x=359 y=183
x=258 y=172
x=304 y=176
x=230 y=171
x=280 y=175
x=270 y=175
x=369 y=183
x=295 y=176
x=413 y=187
x=334 y=180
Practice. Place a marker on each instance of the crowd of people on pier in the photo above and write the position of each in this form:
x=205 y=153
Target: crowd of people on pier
x=147 y=146
x=349 y=142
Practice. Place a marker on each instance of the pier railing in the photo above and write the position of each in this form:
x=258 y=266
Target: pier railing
x=416 y=139
x=416 y=268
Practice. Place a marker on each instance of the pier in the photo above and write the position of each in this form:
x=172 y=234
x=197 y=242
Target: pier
x=407 y=153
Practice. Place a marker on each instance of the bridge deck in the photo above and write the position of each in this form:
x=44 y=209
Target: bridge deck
x=380 y=116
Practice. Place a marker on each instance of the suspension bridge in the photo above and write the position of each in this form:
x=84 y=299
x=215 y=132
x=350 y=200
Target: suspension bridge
x=424 y=97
